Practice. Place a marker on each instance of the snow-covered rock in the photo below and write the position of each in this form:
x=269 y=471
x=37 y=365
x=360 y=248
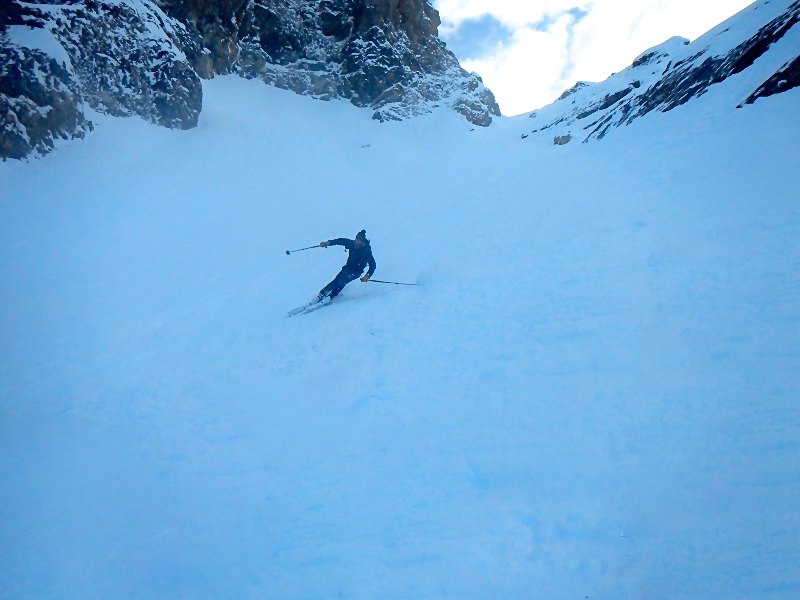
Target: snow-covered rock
x=116 y=56
x=39 y=102
x=759 y=48
x=382 y=54
x=145 y=58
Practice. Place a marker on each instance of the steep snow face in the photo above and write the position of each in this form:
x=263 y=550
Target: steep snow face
x=593 y=392
x=755 y=54
x=128 y=57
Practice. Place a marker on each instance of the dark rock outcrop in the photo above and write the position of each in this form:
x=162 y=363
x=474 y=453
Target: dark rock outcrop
x=126 y=66
x=562 y=140
x=382 y=54
x=787 y=78
x=107 y=55
x=39 y=103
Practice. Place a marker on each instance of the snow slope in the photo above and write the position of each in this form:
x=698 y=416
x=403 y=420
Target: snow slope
x=593 y=393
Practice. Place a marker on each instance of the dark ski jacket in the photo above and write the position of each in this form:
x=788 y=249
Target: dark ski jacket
x=359 y=257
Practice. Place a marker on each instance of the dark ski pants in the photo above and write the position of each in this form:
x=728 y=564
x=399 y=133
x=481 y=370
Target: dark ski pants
x=344 y=277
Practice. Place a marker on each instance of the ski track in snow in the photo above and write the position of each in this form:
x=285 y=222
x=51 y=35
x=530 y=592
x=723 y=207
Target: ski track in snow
x=593 y=393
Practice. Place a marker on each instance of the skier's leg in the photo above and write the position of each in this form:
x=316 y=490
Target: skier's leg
x=342 y=280
x=333 y=285
x=338 y=285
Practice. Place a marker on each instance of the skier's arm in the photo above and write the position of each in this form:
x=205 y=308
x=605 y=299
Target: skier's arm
x=372 y=265
x=338 y=242
x=371 y=262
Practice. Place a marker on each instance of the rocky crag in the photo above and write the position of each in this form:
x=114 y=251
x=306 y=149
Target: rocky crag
x=760 y=47
x=146 y=58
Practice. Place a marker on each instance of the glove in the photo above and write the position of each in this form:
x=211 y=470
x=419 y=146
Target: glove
x=324 y=244
x=365 y=278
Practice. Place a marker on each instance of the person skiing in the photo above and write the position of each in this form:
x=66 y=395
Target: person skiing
x=360 y=255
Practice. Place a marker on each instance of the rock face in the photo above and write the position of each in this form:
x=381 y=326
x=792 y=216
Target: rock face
x=382 y=54
x=786 y=78
x=750 y=43
x=118 y=58
x=146 y=58
x=39 y=102
x=562 y=140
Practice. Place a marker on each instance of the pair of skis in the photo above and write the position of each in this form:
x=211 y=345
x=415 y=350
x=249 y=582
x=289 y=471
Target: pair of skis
x=315 y=304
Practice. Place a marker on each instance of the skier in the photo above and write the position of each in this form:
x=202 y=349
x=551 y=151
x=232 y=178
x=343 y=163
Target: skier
x=360 y=256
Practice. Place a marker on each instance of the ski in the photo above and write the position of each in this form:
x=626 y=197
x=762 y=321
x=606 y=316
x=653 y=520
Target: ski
x=310 y=307
x=317 y=305
x=299 y=309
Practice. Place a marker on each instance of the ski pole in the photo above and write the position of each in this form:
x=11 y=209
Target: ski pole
x=392 y=282
x=301 y=249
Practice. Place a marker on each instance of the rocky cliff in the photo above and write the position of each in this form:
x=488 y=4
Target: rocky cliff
x=757 y=50
x=146 y=58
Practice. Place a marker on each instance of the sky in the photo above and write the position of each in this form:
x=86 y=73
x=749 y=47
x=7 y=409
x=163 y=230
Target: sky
x=529 y=51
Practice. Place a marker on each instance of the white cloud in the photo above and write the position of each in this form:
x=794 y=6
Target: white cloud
x=535 y=66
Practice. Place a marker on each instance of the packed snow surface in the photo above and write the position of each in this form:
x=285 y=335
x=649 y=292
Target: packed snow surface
x=593 y=392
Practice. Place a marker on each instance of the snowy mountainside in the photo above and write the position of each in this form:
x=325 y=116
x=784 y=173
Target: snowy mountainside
x=593 y=392
x=60 y=58
x=756 y=53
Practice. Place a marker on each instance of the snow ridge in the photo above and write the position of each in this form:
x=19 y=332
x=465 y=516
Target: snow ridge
x=760 y=45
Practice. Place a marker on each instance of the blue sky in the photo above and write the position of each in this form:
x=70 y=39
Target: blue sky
x=475 y=38
x=529 y=51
